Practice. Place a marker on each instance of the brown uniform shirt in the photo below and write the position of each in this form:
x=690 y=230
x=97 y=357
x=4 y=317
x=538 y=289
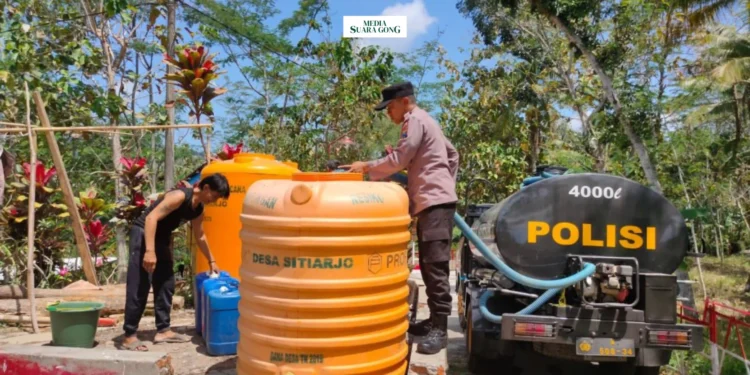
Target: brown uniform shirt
x=430 y=159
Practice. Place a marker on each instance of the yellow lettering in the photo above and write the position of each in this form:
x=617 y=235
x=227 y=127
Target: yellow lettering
x=651 y=238
x=537 y=228
x=628 y=237
x=631 y=239
x=587 y=240
x=611 y=236
x=572 y=234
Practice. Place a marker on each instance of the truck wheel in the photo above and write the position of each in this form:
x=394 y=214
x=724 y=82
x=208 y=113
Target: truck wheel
x=627 y=368
x=617 y=368
x=477 y=364
x=647 y=370
x=462 y=306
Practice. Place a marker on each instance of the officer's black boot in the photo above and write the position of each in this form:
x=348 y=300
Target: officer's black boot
x=437 y=338
x=420 y=328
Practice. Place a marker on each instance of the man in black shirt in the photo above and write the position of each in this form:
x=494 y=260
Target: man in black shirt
x=151 y=262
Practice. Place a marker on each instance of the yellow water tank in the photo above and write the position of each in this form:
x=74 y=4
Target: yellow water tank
x=221 y=220
x=324 y=277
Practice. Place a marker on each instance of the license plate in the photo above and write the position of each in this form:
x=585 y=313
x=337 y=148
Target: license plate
x=604 y=347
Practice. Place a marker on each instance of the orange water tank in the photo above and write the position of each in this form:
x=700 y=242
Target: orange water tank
x=324 y=277
x=221 y=220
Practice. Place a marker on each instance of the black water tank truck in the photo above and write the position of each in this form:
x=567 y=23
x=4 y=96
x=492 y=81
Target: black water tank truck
x=623 y=316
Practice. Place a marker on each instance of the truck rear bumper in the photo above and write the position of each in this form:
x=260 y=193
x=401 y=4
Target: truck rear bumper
x=574 y=331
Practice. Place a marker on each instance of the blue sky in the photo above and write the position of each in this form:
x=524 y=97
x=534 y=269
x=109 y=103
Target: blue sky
x=424 y=18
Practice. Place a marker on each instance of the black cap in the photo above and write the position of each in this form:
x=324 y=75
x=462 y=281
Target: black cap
x=333 y=165
x=399 y=90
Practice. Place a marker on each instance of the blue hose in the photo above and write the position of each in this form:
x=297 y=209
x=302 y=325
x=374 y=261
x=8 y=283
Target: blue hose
x=553 y=286
x=588 y=268
x=525 y=311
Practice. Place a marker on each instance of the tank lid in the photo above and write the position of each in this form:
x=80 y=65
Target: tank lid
x=326 y=176
x=246 y=157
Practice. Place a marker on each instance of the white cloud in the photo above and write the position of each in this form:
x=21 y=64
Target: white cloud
x=418 y=22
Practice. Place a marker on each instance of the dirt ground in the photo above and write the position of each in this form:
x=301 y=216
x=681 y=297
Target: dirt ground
x=184 y=358
x=192 y=359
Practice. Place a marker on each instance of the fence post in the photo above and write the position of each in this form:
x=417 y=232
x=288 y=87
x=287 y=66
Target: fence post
x=715 y=366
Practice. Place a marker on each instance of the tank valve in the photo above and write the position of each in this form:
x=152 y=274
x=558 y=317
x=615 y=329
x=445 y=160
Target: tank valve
x=301 y=194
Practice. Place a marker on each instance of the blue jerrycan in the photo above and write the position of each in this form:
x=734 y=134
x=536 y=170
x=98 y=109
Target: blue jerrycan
x=199 y=280
x=208 y=286
x=222 y=312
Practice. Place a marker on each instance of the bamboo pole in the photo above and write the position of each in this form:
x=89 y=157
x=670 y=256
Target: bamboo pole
x=62 y=175
x=15 y=124
x=35 y=127
x=31 y=215
x=105 y=128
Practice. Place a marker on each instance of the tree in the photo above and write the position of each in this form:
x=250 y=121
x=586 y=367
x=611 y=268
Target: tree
x=574 y=20
x=98 y=20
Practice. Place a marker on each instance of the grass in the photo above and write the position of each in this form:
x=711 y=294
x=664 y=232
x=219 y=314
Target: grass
x=725 y=283
x=725 y=280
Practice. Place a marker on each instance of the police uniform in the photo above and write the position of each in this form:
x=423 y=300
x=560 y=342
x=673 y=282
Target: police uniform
x=431 y=162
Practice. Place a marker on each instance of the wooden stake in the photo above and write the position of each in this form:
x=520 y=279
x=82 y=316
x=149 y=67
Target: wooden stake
x=31 y=215
x=84 y=129
x=83 y=246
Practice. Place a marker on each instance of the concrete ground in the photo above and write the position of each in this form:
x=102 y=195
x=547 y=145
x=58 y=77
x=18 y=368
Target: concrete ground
x=188 y=358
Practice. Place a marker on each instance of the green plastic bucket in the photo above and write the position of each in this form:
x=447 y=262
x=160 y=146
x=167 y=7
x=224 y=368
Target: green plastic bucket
x=74 y=323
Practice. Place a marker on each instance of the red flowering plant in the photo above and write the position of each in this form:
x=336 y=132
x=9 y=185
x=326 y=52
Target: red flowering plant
x=134 y=176
x=49 y=212
x=97 y=233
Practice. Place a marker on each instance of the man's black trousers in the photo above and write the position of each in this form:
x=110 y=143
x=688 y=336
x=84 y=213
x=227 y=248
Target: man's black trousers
x=139 y=282
x=434 y=233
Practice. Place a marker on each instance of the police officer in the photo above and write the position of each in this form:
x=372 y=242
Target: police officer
x=431 y=162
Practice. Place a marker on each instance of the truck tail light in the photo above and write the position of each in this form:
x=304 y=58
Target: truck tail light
x=536 y=330
x=669 y=338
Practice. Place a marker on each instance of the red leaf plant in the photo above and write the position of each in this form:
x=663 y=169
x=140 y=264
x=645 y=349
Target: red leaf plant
x=97 y=235
x=228 y=151
x=49 y=213
x=133 y=176
x=132 y=167
x=42 y=175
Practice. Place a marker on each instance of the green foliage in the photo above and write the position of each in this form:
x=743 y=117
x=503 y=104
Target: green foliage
x=52 y=58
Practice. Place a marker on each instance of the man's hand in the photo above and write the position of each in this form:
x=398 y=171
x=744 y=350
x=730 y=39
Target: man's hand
x=213 y=266
x=149 y=261
x=356 y=167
